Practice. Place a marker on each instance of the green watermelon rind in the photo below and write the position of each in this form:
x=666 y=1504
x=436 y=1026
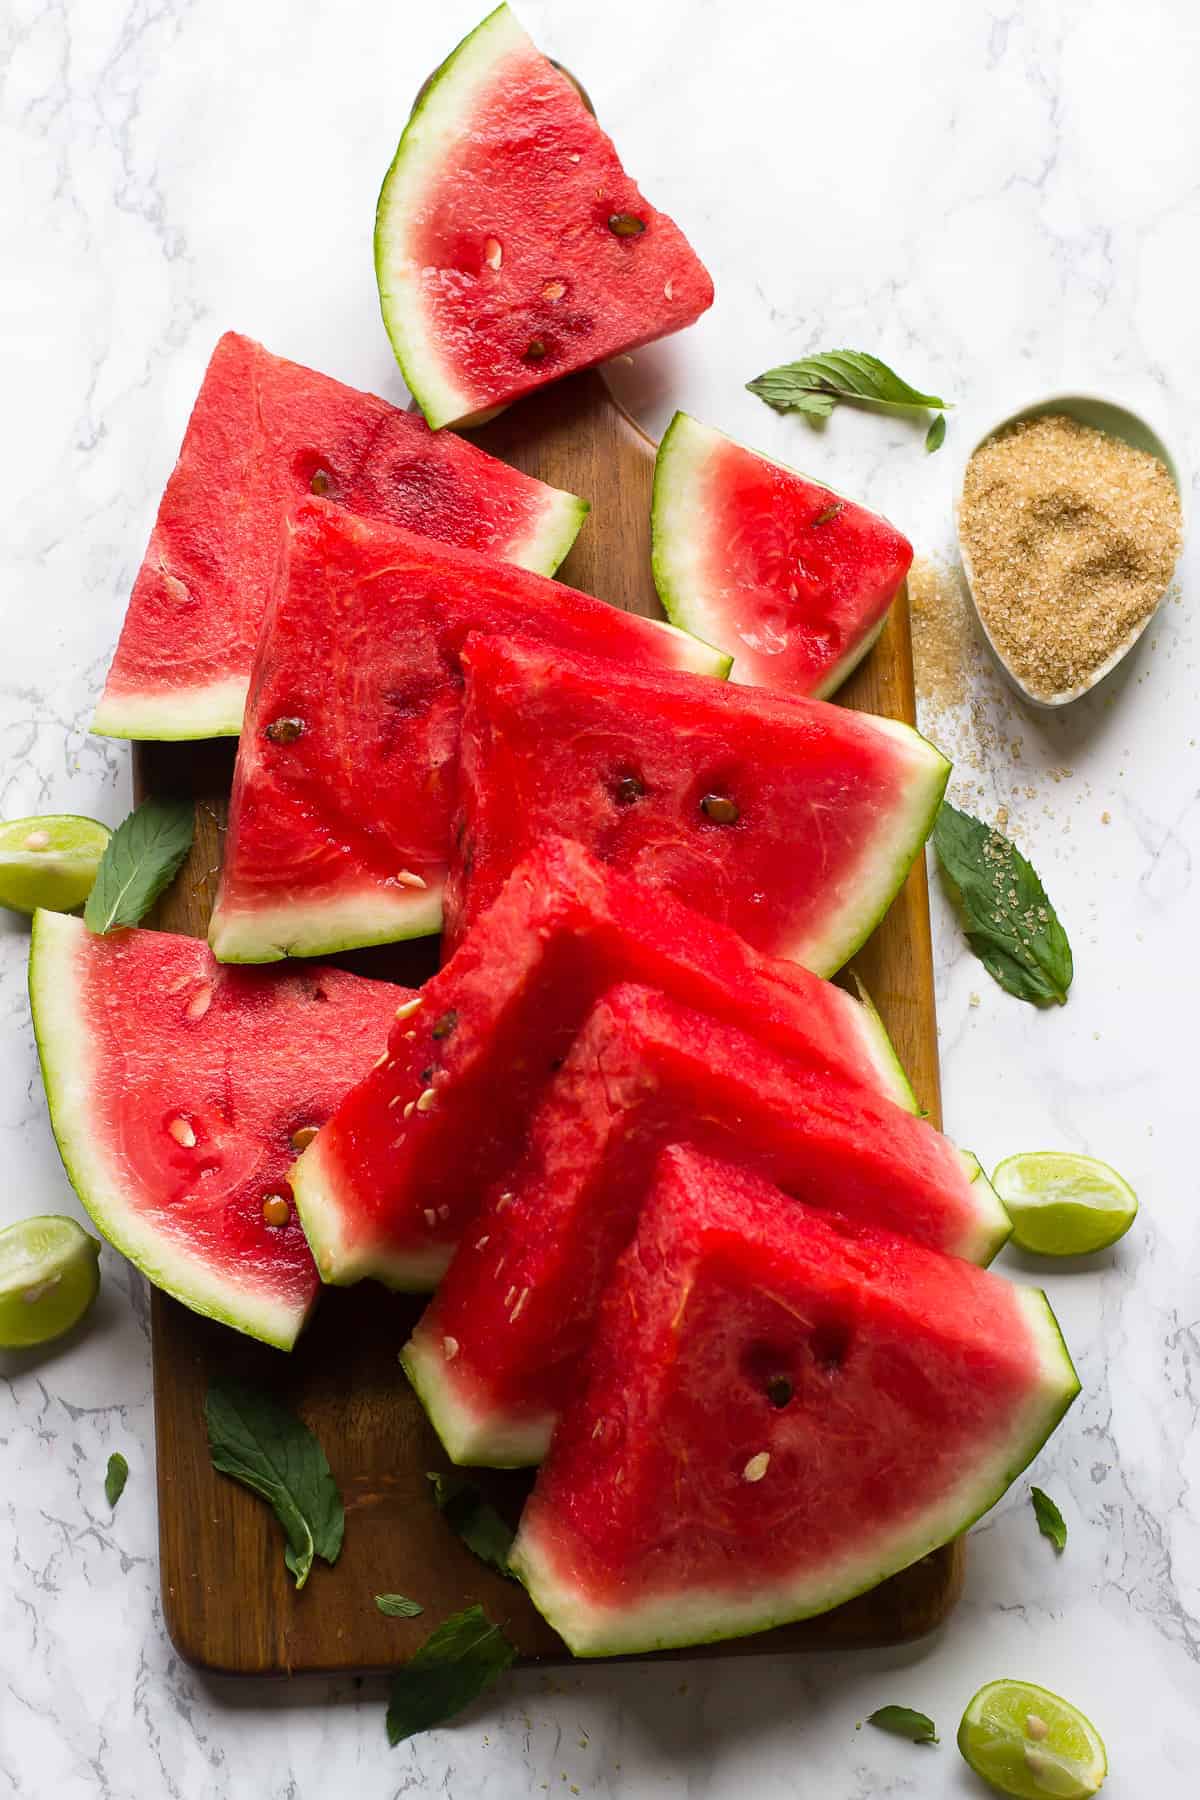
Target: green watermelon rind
x=353 y=921
x=675 y=530
x=438 y=112
x=881 y=1052
x=341 y=1263
x=468 y=1435
x=173 y=717
x=549 y=541
x=65 y=1052
x=992 y=1227
x=673 y=1621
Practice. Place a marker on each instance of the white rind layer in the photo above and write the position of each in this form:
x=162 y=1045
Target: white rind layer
x=341 y=1260
x=469 y=1437
x=667 y=1621
x=67 y=1055
x=369 y=915
x=993 y=1227
x=880 y=1051
x=176 y=713
x=438 y=119
x=548 y=542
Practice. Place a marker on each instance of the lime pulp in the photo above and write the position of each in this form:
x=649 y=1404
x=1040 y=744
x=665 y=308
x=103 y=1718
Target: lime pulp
x=1027 y=1743
x=49 y=1277
x=1062 y=1204
x=49 y=862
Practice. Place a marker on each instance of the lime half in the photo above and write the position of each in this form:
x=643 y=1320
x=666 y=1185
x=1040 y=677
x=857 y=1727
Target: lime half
x=49 y=862
x=1062 y=1204
x=1027 y=1743
x=49 y=1276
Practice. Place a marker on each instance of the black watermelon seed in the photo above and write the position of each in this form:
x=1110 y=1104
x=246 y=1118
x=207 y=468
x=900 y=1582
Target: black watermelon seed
x=285 y=731
x=446 y=1024
x=720 y=809
x=626 y=225
x=779 y=1390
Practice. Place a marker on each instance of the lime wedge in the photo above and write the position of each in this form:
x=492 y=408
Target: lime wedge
x=1027 y=1743
x=49 y=1276
x=49 y=862
x=1061 y=1204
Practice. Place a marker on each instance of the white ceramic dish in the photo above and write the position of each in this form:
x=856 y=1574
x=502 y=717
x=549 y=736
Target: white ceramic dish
x=1140 y=427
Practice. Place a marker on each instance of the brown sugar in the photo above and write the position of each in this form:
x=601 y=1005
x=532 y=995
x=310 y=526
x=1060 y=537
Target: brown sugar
x=1072 y=537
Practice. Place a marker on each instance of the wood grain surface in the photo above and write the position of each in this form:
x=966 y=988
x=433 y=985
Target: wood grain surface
x=228 y=1601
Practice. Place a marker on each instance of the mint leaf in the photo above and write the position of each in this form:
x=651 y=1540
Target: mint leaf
x=115 y=1477
x=475 y=1519
x=1010 y=923
x=274 y=1454
x=935 y=437
x=398 y=1606
x=1051 y=1523
x=140 y=859
x=902 y=1721
x=816 y=384
x=459 y=1662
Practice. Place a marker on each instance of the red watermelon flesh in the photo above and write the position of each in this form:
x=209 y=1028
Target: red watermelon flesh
x=179 y=1093
x=489 y=1030
x=339 y=828
x=498 y=1352
x=792 y=821
x=263 y=433
x=778 y=1414
x=510 y=245
x=792 y=579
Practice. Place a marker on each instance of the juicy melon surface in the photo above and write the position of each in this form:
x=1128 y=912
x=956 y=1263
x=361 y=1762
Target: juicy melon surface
x=790 y=820
x=340 y=818
x=793 y=580
x=497 y=264
x=778 y=1413
x=518 y=1304
x=262 y=433
x=175 y=1089
x=493 y=1025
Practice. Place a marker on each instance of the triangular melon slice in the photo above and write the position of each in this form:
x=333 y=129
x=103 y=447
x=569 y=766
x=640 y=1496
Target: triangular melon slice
x=489 y=1030
x=793 y=821
x=791 y=578
x=778 y=1414
x=340 y=820
x=180 y=1093
x=263 y=433
x=510 y=245
x=499 y=1350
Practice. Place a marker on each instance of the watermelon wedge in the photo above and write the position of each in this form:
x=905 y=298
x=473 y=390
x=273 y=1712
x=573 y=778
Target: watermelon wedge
x=488 y=1031
x=499 y=1351
x=793 y=821
x=779 y=1413
x=791 y=578
x=180 y=1092
x=510 y=245
x=263 y=433
x=339 y=829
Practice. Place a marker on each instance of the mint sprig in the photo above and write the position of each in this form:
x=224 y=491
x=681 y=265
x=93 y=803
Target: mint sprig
x=1050 y=1521
x=274 y=1454
x=475 y=1519
x=902 y=1721
x=461 y=1660
x=115 y=1477
x=816 y=384
x=140 y=859
x=1010 y=924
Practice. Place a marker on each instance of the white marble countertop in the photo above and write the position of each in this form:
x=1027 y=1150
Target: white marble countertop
x=977 y=194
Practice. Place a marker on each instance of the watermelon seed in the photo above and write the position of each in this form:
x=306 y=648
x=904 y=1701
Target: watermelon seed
x=276 y=1210
x=629 y=789
x=410 y=1037
x=521 y=1299
x=779 y=1390
x=669 y=290
x=756 y=1468
x=406 y=878
x=443 y=1213
x=535 y=349
x=575 y=156
x=626 y=225
x=446 y=1024
x=430 y=1217
x=182 y=1132
x=284 y=731
x=200 y=1002
x=830 y=512
x=554 y=290
x=408 y=1109
x=493 y=252
x=409 y=1008
x=302 y=1138
x=720 y=809
x=508 y=1298
x=480 y=1242
x=427 y=1076
x=320 y=483
x=38 y=840
x=427 y=1101
x=449 y=1348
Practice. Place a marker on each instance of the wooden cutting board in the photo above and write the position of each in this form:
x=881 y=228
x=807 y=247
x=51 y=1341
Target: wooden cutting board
x=227 y=1599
